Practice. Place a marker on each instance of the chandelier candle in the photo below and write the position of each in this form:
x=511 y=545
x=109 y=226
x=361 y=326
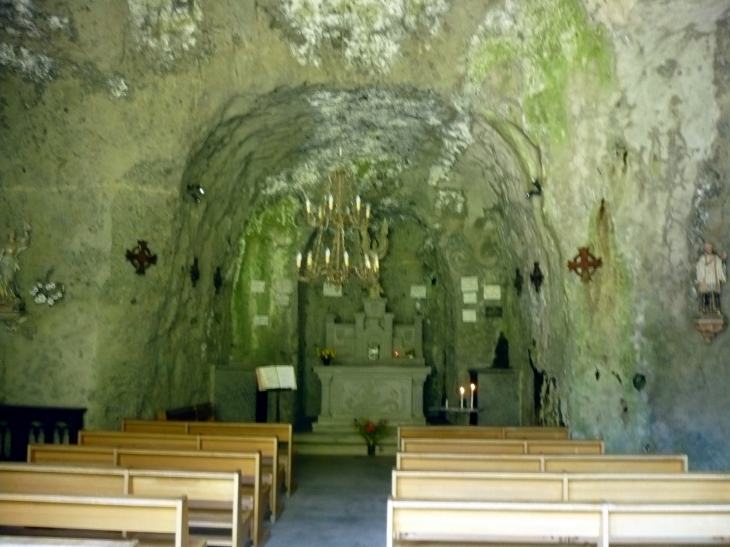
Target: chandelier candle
x=471 y=404
x=461 y=396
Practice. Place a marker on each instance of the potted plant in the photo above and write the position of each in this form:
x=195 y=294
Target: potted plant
x=326 y=355
x=372 y=432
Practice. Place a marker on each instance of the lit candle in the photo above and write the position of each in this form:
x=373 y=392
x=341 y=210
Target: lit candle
x=327 y=256
x=461 y=396
x=308 y=205
x=367 y=262
x=473 y=387
x=347 y=260
x=330 y=201
x=357 y=204
x=367 y=211
x=299 y=260
x=309 y=260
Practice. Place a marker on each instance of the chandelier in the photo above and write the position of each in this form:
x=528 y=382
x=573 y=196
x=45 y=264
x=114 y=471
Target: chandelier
x=341 y=244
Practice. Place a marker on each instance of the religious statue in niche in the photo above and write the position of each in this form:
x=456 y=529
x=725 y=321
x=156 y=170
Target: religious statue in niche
x=375 y=249
x=12 y=305
x=711 y=273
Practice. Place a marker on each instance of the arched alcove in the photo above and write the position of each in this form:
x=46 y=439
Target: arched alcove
x=260 y=158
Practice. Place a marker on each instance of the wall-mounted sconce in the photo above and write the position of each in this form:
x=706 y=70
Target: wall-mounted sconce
x=196 y=192
x=536 y=277
x=519 y=281
x=536 y=191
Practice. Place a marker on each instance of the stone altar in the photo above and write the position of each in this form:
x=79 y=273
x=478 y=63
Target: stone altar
x=379 y=371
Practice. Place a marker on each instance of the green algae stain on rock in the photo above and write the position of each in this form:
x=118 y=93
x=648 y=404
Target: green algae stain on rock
x=545 y=42
x=267 y=254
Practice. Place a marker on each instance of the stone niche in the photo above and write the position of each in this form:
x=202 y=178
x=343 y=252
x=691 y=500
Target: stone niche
x=378 y=373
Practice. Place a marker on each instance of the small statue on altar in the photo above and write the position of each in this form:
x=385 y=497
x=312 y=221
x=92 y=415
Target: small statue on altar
x=711 y=273
x=10 y=298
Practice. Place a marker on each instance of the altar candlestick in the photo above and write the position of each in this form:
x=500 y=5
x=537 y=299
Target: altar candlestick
x=461 y=398
x=471 y=404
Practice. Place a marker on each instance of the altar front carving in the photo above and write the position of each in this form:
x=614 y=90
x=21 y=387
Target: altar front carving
x=393 y=393
x=379 y=371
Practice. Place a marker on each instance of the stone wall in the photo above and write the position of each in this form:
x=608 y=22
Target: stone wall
x=446 y=111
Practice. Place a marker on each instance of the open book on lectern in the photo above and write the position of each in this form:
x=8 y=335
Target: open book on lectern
x=278 y=377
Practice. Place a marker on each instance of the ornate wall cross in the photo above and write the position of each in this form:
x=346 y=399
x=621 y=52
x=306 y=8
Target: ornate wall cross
x=584 y=264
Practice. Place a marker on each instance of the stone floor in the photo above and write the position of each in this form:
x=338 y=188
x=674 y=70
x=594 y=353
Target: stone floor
x=340 y=501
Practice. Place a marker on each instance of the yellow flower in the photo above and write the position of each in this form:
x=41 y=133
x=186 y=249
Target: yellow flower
x=326 y=353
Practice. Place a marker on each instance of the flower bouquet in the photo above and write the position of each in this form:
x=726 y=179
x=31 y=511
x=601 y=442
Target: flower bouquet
x=372 y=432
x=326 y=354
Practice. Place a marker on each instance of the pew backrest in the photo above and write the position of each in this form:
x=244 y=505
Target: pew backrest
x=122 y=514
x=547 y=523
x=588 y=463
x=64 y=454
x=489 y=446
x=481 y=432
x=561 y=487
x=118 y=439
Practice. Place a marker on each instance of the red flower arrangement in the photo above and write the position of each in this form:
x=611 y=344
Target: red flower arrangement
x=371 y=431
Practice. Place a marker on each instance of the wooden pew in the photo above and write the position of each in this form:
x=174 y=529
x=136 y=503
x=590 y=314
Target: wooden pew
x=283 y=432
x=481 y=432
x=267 y=446
x=565 y=487
x=255 y=496
x=100 y=514
x=487 y=523
x=214 y=499
x=602 y=463
x=490 y=446
x=34 y=541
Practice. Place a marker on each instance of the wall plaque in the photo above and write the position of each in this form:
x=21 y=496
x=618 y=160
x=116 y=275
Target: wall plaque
x=418 y=291
x=492 y=292
x=469 y=284
x=469 y=316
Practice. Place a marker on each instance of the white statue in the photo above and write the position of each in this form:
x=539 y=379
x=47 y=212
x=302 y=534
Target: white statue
x=375 y=249
x=9 y=266
x=711 y=274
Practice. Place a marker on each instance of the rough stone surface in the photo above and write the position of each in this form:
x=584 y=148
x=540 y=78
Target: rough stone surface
x=114 y=114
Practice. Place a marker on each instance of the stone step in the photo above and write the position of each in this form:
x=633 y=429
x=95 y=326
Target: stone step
x=341 y=443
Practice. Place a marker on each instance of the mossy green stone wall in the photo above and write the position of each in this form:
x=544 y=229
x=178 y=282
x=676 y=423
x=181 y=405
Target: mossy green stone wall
x=545 y=41
x=268 y=248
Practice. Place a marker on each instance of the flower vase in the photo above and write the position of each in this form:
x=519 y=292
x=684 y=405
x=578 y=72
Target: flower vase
x=326 y=361
x=371 y=450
